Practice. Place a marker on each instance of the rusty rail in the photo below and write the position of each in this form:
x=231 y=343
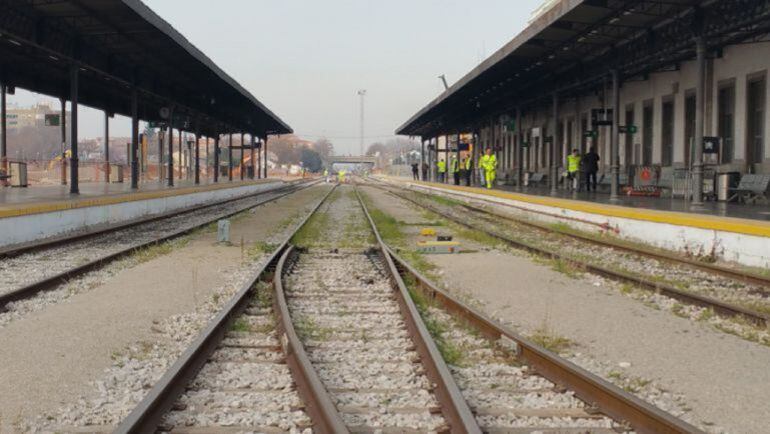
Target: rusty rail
x=148 y=414
x=453 y=404
x=723 y=308
x=50 y=282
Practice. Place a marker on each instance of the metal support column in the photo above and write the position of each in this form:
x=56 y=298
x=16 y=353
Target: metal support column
x=182 y=161
x=230 y=159
x=519 y=154
x=170 y=174
x=700 y=89
x=554 y=172
x=134 y=138
x=63 y=147
x=615 y=137
x=240 y=163
x=266 y=159
x=206 y=159
x=216 y=158
x=4 y=133
x=107 y=147
x=457 y=158
x=160 y=154
x=253 y=142
x=74 y=75
x=420 y=173
x=259 y=159
x=197 y=159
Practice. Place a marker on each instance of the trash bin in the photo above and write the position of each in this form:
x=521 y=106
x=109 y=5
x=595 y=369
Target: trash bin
x=725 y=182
x=18 y=174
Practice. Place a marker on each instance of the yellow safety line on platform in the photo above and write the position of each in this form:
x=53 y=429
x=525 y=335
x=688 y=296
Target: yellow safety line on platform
x=21 y=209
x=718 y=223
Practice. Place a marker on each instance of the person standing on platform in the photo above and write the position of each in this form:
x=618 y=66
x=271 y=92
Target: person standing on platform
x=424 y=171
x=481 y=172
x=455 y=169
x=573 y=170
x=591 y=165
x=489 y=164
x=467 y=169
x=441 y=164
x=415 y=172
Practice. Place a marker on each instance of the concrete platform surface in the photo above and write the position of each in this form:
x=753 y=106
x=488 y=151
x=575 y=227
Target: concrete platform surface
x=31 y=200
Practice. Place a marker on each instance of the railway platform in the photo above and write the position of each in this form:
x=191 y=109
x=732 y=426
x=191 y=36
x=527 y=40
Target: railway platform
x=737 y=234
x=33 y=214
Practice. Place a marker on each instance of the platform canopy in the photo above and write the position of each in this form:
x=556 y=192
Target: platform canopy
x=574 y=45
x=119 y=44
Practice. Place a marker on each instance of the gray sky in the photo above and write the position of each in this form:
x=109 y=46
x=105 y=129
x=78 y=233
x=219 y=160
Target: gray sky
x=305 y=59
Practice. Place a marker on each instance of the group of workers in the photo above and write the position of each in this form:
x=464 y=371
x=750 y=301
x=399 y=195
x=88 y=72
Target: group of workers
x=463 y=169
x=588 y=164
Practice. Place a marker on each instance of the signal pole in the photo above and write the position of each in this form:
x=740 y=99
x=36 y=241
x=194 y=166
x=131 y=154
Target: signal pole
x=362 y=93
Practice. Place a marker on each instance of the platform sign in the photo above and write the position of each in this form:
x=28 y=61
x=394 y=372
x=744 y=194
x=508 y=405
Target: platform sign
x=52 y=120
x=591 y=134
x=627 y=129
x=510 y=126
x=548 y=140
x=601 y=117
x=711 y=145
x=525 y=144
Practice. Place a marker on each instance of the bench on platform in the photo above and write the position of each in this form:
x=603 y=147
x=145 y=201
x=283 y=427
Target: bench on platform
x=751 y=189
x=536 y=178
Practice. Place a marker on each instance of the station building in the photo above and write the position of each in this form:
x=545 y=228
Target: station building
x=691 y=102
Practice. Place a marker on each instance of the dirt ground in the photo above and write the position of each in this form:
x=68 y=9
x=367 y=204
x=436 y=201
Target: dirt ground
x=61 y=348
x=722 y=378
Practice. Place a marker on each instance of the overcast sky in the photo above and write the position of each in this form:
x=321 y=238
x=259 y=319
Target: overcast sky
x=305 y=59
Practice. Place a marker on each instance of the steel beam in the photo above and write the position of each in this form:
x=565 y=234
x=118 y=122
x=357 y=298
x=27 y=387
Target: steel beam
x=74 y=77
x=63 y=129
x=266 y=159
x=519 y=164
x=240 y=163
x=196 y=144
x=160 y=155
x=554 y=168
x=170 y=174
x=106 y=146
x=134 y=137
x=700 y=90
x=420 y=173
x=216 y=158
x=230 y=159
x=615 y=137
x=253 y=159
x=3 y=134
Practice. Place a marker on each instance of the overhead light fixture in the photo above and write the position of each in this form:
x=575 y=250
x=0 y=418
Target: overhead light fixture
x=614 y=20
x=15 y=42
x=52 y=57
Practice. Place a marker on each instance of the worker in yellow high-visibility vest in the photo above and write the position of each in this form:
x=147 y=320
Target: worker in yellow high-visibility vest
x=468 y=166
x=441 y=171
x=454 y=167
x=573 y=170
x=489 y=164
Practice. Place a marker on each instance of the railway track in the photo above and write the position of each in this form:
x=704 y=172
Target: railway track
x=27 y=271
x=491 y=225
x=326 y=337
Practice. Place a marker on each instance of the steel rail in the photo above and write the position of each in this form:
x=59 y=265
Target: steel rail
x=29 y=247
x=318 y=403
x=744 y=276
x=148 y=414
x=31 y=289
x=593 y=390
x=454 y=407
x=723 y=308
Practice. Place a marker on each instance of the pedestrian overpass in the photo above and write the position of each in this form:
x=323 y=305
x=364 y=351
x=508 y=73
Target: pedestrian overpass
x=353 y=159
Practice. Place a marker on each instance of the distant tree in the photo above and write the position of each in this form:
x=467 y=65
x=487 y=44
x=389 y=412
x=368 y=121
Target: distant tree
x=324 y=148
x=311 y=160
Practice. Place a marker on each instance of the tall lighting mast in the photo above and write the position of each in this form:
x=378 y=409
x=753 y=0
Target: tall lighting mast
x=362 y=93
